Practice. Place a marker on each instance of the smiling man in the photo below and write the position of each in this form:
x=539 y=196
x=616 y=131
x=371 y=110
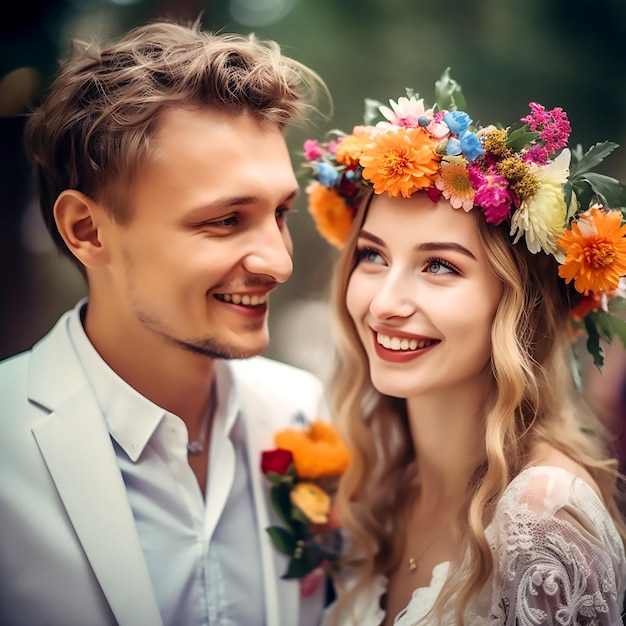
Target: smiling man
x=132 y=432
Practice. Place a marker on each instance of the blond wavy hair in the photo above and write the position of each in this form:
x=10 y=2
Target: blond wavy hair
x=533 y=399
x=94 y=127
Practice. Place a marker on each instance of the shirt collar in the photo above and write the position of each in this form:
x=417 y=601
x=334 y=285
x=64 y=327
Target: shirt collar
x=131 y=418
x=227 y=407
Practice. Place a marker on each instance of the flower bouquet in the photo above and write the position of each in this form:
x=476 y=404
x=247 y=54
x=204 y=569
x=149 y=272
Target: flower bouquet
x=303 y=471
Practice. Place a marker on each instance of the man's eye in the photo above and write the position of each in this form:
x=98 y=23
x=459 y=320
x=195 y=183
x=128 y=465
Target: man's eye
x=223 y=223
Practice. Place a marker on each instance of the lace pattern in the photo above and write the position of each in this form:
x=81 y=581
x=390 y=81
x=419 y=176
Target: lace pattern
x=559 y=561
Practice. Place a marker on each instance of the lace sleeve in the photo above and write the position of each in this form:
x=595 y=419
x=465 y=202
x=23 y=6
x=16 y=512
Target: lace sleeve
x=559 y=558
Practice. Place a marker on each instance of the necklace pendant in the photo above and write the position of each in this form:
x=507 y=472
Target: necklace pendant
x=195 y=447
x=412 y=565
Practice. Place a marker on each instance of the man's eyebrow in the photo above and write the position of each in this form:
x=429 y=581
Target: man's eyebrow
x=228 y=201
x=432 y=246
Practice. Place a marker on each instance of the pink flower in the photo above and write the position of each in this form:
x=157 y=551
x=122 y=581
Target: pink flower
x=492 y=193
x=312 y=150
x=310 y=582
x=536 y=154
x=434 y=194
x=537 y=117
x=553 y=126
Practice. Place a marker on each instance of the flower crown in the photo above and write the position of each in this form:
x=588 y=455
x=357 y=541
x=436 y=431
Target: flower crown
x=524 y=176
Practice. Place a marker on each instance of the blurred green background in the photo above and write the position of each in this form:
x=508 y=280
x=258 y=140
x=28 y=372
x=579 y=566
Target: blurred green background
x=505 y=53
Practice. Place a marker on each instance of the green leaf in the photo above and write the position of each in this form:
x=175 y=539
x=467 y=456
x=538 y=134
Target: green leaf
x=609 y=191
x=308 y=561
x=593 y=342
x=284 y=541
x=372 y=114
x=298 y=514
x=448 y=93
x=279 y=497
x=594 y=156
x=520 y=137
x=617 y=326
x=287 y=478
x=604 y=326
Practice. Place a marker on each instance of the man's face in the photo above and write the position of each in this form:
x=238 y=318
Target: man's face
x=207 y=241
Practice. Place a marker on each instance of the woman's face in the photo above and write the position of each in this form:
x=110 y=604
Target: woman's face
x=422 y=297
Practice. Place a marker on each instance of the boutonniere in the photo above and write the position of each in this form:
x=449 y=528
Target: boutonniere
x=303 y=471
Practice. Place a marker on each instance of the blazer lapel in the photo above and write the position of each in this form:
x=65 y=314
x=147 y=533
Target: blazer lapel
x=281 y=596
x=77 y=450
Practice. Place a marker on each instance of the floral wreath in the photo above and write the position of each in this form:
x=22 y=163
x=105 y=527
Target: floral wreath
x=524 y=176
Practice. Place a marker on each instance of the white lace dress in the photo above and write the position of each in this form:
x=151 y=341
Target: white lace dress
x=559 y=560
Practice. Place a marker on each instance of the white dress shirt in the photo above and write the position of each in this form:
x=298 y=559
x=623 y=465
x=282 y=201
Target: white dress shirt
x=203 y=555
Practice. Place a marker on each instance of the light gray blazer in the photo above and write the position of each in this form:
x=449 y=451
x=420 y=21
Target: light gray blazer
x=69 y=551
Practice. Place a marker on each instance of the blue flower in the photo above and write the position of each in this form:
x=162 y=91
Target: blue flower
x=471 y=146
x=457 y=121
x=453 y=147
x=327 y=174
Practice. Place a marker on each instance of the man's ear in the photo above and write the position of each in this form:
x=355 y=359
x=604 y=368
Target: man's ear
x=77 y=217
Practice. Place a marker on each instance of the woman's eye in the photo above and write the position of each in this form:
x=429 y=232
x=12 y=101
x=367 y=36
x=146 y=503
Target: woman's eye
x=281 y=214
x=439 y=267
x=369 y=255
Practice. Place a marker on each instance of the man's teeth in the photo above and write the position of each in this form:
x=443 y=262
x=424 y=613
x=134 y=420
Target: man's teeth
x=397 y=343
x=246 y=300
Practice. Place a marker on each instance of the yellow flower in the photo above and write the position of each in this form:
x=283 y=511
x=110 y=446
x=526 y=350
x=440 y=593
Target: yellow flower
x=454 y=184
x=332 y=216
x=541 y=218
x=596 y=251
x=400 y=162
x=349 y=149
x=318 y=451
x=312 y=500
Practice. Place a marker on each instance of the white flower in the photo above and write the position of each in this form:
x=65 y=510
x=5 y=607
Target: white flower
x=542 y=218
x=406 y=112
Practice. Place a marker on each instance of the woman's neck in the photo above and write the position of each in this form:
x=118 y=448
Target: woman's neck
x=448 y=437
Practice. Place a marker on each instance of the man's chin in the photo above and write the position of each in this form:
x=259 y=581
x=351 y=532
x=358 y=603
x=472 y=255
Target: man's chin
x=235 y=354
x=215 y=350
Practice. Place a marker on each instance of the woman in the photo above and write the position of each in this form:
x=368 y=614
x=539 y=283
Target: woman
x=480 y=491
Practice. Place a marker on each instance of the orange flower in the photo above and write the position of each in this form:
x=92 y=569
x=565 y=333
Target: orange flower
x=349 y=149
x=596 y=251
x=400 y=161
x=455 y=185
x=318 y=451
x=586 y=304
x=332 y=216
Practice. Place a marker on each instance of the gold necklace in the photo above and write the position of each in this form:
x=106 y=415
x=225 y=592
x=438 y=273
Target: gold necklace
x=414 y=560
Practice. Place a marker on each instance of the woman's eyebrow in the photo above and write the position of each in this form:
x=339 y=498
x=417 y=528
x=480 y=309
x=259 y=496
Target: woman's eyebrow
x=444 y=245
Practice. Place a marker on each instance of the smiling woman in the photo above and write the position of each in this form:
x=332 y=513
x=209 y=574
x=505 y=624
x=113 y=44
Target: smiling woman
x=481 y=491
x=407 y=289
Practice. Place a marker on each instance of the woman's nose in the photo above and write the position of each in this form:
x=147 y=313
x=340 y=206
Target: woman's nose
x=395 y=298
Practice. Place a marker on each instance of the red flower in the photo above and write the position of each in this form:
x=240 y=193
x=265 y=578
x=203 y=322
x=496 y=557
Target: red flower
x=277 y=460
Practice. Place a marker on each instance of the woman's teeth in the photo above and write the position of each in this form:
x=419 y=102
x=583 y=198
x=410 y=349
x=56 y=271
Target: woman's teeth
x=402 y=343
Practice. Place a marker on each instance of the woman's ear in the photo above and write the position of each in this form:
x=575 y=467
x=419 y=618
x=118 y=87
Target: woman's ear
x=77 y=218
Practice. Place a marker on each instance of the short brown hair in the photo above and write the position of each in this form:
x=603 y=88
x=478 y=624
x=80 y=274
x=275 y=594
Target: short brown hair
x=94 y=126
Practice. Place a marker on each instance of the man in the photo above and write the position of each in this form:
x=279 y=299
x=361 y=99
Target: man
x=130 y=436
